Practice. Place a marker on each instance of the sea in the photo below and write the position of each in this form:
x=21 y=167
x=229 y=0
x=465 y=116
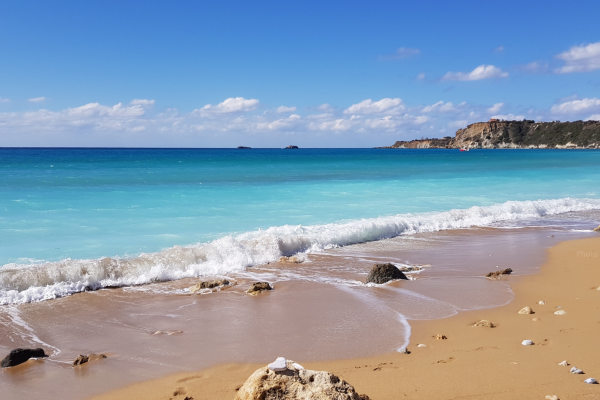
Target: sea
x=99 y=248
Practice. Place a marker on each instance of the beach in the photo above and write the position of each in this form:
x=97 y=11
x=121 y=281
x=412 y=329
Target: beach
x=473 y=362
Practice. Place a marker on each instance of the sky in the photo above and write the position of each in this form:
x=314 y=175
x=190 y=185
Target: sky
x=274 y=73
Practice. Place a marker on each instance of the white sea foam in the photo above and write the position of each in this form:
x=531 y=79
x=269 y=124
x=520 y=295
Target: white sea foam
x=21 y=283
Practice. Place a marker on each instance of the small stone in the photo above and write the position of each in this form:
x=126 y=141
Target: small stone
x=81 y=360
x=560 y=312
x=297 y=366
x=498 y=274
x=485 y=323
x=551 y=397
x=535 y=319
x=421 y=345
x=209 y=285
x=563 y=363
x=278 y=365
x=527 y=343
x=591 y=381
x=576 y=370
x=526 y=310
x=542 y=303
x=439 y=336
x=258 y=287
x=404 y=350
x=291 y=260
x=597 y=229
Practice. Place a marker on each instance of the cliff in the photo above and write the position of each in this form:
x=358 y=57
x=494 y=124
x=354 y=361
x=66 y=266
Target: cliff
x=516 y=135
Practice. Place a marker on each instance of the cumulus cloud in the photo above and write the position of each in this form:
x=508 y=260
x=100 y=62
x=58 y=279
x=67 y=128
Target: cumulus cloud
x=402 y=52
x=141 y=102
x=439 y=106
x=582 y=58
x=595 y=117
x=577 y=106
x=383 y=106
x=230 y=105
x=479 y=73
x=37 y=99
x=284 y=109
x=495 y=108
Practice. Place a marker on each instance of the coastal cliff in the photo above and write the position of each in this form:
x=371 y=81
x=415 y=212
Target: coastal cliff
x=524 y=134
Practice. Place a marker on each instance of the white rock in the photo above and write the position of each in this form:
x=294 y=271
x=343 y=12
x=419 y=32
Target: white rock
x=527 y=343
x=591 y=380
x=526 y=310
x=421 y=345
x=576 y=370
x=551 y=397
x=541 y=302
x=278 y=365
x=563 y=363
x=560 y=312
x=297 y=366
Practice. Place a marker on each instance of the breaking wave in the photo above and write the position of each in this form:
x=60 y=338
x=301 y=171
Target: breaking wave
x=21 y=283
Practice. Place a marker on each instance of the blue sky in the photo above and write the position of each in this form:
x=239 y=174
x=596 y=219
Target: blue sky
x=268 y=74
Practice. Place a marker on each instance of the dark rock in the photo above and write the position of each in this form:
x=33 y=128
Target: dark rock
x=83 y=359
x=291 y=147
x=244 y=147
x=382 y=273
x=258 y=287
x=498 y=274
x=209 y=285
x=19 y=356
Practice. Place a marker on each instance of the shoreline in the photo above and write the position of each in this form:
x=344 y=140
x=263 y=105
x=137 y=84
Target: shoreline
x=474 y=362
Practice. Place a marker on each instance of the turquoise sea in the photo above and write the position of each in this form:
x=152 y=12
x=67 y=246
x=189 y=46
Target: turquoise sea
x=163 y=214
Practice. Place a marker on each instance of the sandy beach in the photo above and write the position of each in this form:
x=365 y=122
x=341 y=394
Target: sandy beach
x=473 y=362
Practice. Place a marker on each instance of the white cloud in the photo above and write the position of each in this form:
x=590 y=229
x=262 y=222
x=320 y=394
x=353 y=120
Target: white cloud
x=284 y=109
x=421 y=76
x=577 y=106
x=383 y=106
x=580 y=59
x=439 y=106
x=37 y=99
x=402 y=52
x=4 y=100
x=595 y=117
x=479 y=73
x=141 y=102
x=458 y=124
x=495 y=108
x=535 y=67
x=230 y=105
x=499 y=49
x=509 y=117
x=96 y=109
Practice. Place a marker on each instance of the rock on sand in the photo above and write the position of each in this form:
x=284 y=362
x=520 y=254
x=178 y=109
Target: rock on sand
x=382 y=273
x=19 y=356
x=296 y=384
x=526 y=310
x=258 y=287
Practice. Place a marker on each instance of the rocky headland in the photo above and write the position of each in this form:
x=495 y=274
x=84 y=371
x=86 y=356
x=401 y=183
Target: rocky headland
x=526 y=134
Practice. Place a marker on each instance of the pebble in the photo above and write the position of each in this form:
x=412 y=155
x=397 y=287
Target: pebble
x=535 y=319
x=551 y=397
x=527 y=343
x=421 y=345
x=278 y=365
x=560 y=312
x=404 y=350
x=439 y=336
x=563 y=363
x=526 y=310
x=297 y=366
x=576 y=370
x=591 y=381
x=542 y=303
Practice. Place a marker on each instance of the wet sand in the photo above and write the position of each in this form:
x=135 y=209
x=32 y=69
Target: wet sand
x=473 y=362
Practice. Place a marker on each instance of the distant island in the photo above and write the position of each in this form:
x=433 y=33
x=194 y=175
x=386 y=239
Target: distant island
x=244 y=147
x=291 y=147
x=526 y=134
